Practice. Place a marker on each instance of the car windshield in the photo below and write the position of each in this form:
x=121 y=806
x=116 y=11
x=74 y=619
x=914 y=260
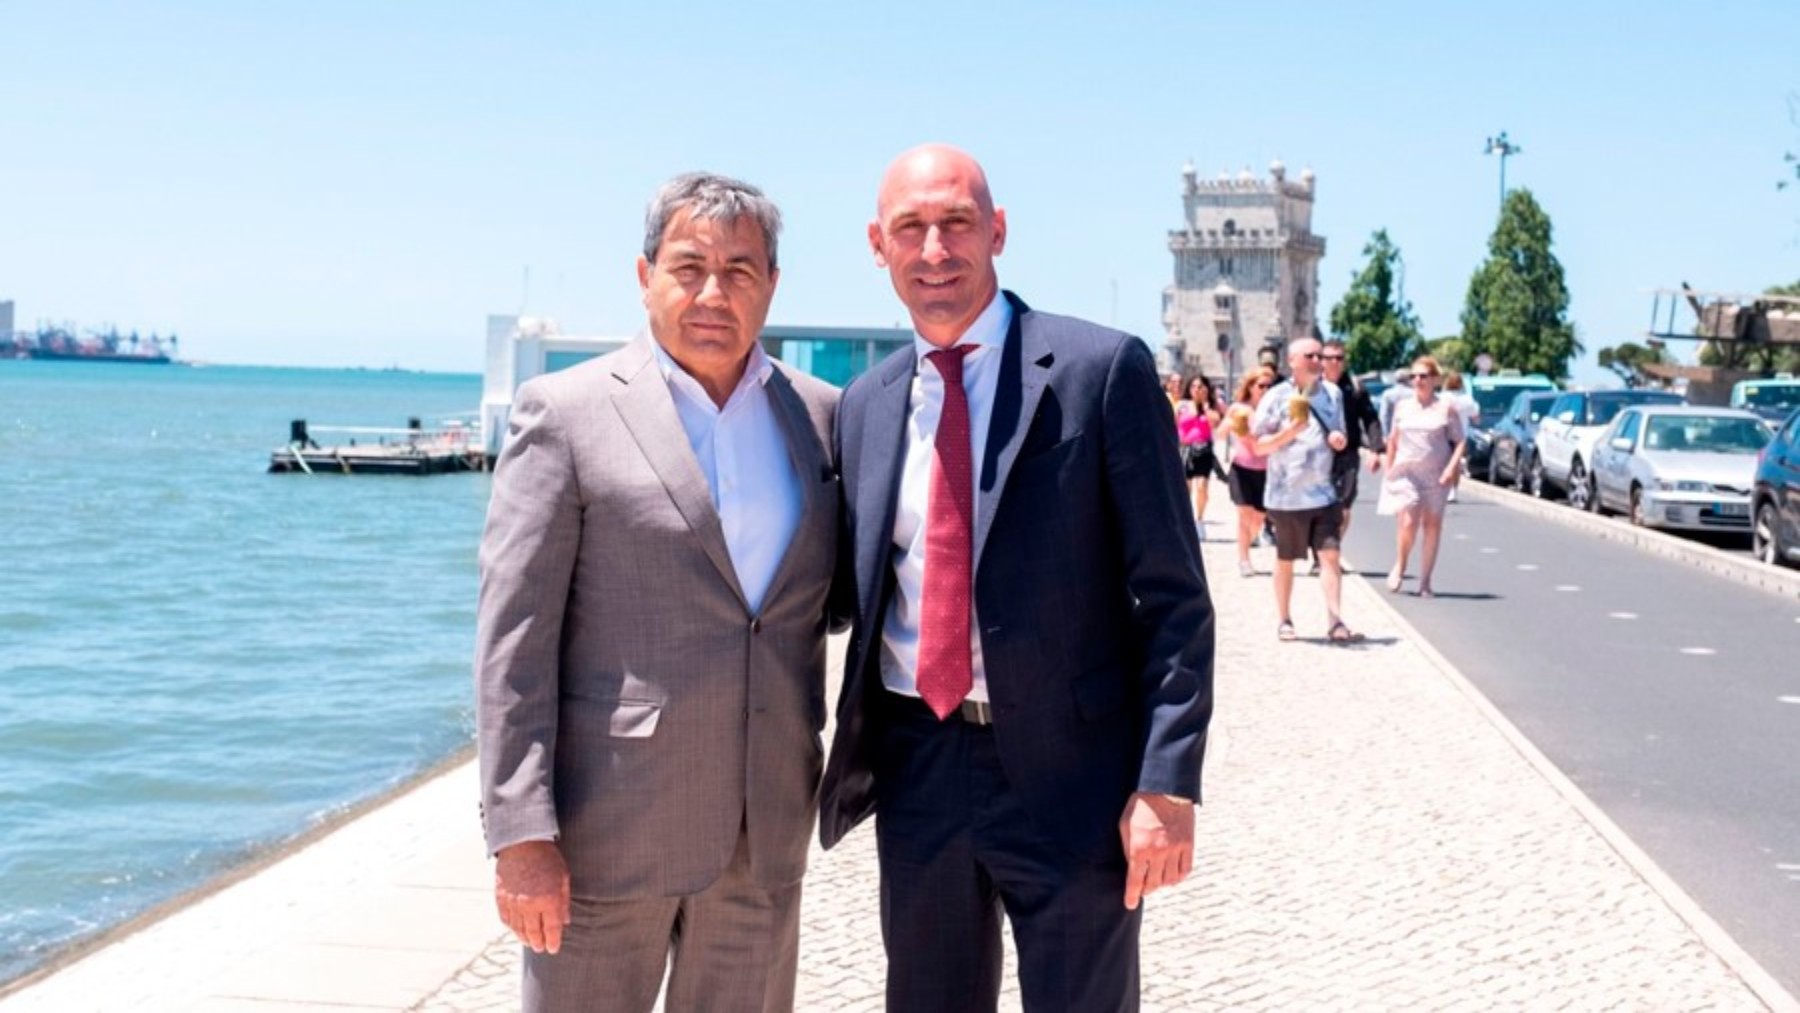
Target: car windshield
x=1774 y=395
x=1494 y=400
x=1707 y=434
x=1602 y=410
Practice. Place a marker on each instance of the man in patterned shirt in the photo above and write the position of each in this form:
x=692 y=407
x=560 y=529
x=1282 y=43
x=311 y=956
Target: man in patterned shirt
x=1301 y=421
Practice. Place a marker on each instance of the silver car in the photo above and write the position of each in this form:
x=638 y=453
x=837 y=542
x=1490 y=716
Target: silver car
x=1669 y=466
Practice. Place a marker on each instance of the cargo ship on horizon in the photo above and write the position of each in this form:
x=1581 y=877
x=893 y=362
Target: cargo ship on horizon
x=63 y=344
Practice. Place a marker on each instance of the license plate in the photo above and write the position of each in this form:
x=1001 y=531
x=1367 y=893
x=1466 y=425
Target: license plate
x=1732 y=509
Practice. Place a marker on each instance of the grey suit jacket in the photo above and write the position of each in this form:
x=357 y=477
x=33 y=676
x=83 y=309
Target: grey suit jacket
x=628 y=701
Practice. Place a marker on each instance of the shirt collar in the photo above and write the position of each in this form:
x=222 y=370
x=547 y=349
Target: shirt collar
x=756 y=371
x=987 y=330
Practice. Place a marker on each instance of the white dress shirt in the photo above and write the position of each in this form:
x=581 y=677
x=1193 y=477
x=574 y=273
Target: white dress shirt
x=981 y=375
x=743 y=451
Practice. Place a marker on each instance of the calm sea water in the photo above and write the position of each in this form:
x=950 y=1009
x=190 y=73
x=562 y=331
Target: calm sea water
x=199 y=660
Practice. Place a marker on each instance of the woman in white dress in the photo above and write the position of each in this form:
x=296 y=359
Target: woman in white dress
x=1421 y=466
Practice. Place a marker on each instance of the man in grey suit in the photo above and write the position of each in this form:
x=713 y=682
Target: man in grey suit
x=650 y=653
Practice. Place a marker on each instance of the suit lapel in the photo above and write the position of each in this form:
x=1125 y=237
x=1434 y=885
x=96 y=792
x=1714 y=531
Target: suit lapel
x=648 y=410
x=882 y=456
x=811 y=469
x=1025 y=362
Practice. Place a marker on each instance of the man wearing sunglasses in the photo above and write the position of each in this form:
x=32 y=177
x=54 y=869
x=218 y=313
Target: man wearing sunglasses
x=1300 y=424
x=1362 y=427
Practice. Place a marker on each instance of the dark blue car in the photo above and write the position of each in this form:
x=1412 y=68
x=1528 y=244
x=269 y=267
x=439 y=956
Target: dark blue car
x=1511 y=438
x=1775 y=499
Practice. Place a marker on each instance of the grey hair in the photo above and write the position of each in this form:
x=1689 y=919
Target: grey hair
x=712 y=196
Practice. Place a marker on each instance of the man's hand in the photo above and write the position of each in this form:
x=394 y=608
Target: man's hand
x=531 y=888
x=1336 y=440
x=1158 y=835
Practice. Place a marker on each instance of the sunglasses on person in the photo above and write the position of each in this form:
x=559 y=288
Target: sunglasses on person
x=1332 y=358
x=1416 y=377
x=1262 y=385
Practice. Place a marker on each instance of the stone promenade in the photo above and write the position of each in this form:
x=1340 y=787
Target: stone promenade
x=1374 y=837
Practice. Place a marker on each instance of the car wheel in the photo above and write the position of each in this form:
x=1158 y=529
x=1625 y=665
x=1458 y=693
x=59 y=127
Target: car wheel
x=1519 y=482
x=1581 y=493
x=1765 y=541
x=1493 y=469
x=1637 y=507
x=1539 y=487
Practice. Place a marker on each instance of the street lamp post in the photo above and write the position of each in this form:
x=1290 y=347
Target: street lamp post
x=1505 y=148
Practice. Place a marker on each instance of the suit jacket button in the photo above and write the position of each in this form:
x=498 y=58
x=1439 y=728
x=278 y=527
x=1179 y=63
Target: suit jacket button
x=756 y=625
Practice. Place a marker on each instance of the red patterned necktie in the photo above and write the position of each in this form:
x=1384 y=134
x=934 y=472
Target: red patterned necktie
x=945 y=670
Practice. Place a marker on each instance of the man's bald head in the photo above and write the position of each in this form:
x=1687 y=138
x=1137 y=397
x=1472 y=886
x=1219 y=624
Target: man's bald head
x=934 y=162
x=937 y=232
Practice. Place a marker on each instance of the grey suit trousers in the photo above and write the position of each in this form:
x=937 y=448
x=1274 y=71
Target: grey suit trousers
x=731 y=948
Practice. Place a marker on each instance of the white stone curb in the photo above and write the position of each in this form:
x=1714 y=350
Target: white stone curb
x=1710 y=932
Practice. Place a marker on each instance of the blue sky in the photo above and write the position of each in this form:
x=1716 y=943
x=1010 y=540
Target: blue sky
x=332 y=183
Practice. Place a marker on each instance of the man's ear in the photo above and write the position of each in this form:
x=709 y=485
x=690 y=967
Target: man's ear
x=643 y=272
x=875 y=244
x=999 y=231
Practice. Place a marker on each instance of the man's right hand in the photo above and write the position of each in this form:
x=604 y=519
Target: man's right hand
x=531 y=888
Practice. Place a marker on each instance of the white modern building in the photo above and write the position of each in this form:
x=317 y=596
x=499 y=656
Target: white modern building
x=1246 y=271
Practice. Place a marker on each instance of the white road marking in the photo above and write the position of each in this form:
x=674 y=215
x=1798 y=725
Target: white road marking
x=1621 y=615
x=1527 y=566
x=1488 y=550
x=1568 y=587
x=1698 y=651
x=1788 y=699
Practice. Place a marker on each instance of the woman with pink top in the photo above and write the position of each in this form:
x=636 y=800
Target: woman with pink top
x=1249 y=468
x=1196 y=415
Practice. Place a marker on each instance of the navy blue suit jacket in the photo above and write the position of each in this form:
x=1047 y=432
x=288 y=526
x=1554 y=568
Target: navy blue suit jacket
x=1096 y=624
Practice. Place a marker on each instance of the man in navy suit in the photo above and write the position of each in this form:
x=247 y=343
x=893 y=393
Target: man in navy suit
x=1029 y=677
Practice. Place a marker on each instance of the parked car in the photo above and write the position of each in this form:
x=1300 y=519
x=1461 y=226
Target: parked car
x=1565 y=439
x=1772 y=399
x=1493 y=394
x=1775 y=500
x=1678 y=466
x=1511 y=439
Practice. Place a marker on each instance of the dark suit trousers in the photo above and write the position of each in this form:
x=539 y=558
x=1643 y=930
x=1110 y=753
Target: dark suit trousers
x=957 y=849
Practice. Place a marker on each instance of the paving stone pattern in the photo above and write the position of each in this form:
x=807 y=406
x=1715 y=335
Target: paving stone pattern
x=1369 y=840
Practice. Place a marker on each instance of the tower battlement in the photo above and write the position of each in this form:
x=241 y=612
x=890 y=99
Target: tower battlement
x=1246 y=269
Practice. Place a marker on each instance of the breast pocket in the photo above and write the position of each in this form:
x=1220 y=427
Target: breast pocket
x=634 y=719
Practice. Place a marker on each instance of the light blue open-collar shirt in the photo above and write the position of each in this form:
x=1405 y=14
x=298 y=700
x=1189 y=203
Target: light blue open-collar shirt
x=743 y=452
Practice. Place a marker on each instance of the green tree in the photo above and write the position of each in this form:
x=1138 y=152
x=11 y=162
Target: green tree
x=1517 y=306
x=1452 y=352
x=1374 y=318
x=1628 y=359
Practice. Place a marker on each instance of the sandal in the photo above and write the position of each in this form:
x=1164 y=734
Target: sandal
x=1286 y=631
x=1245 y=569
x=1341 y=634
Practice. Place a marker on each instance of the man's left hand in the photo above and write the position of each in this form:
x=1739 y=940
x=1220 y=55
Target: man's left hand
x=1158 y=834
x=1336 y=440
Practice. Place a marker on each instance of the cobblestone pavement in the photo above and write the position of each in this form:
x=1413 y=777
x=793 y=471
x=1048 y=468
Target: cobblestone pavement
x=1370 y=840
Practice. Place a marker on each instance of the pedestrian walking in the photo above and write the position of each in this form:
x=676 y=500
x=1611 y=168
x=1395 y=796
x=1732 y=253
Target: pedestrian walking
x=1362 y=426
x=1249 y=468
x=1196 y=421
x=1300 y=428
x=1423 y=461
